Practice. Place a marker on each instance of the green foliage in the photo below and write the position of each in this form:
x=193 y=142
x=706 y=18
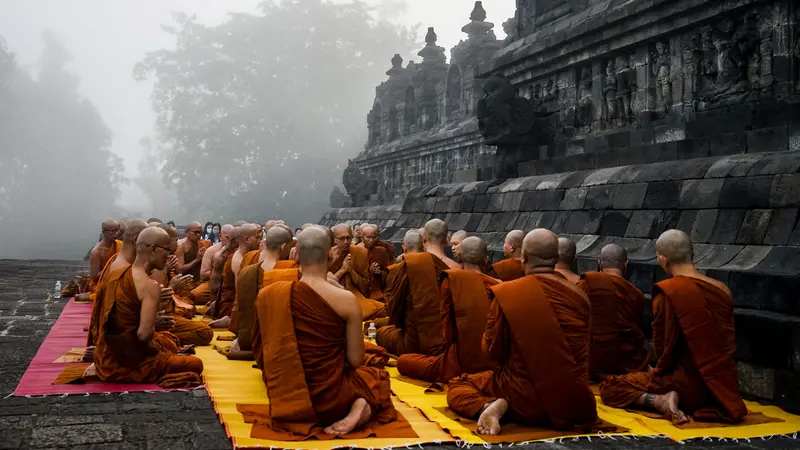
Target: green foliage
x=57 y=175
x=259 y=113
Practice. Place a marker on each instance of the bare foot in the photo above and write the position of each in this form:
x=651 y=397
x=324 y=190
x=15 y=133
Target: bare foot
x=667 y=404
x=359 y=414
x=88 y=355
x=489 y=421
x=221 y=323
x=82 y=297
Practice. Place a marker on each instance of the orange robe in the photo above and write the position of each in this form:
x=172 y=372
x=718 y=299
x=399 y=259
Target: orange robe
x=618 y=345
x=302 y=356
x=509 y=269
x=94 y=319
x=120 y=355
x=110 y=253
x=359 y=284
x=377 y=255
x=202 y=295
x=694 y=340
x=226 y=297
x=414 y=302
x=189 y=257
x=538 y=332
x=389 y=247
x=465 y=306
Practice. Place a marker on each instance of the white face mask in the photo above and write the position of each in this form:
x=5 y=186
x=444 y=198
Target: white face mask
x=208 y=230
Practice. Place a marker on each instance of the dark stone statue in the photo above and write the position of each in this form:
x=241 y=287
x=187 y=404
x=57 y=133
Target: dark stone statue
x=339 y=199
x=355 y=182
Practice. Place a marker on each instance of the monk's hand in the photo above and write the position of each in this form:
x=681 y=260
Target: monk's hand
x=164 y=323
x=172 y=263
x=166 y=297
x=200 y=254
x=376 y=269
x=348 y=263
x=180 y=282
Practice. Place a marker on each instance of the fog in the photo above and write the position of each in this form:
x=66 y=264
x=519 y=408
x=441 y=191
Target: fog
x=190 y=109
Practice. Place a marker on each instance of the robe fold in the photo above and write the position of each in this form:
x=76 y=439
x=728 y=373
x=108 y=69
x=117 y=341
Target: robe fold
x=191 y=256
x=94 y=318
x=389 y=247
x=190 y=332
x=304 y=367
x=694 y=341
x=120 y=356
x=377 y=255
x=618 y=344
x=414 y=302
x=226 y=297
x=538 y=373
x=509 y=269
x=202 y=295
x=465 y=306
x=249 y=259
x=359 y=283
x=112 y=251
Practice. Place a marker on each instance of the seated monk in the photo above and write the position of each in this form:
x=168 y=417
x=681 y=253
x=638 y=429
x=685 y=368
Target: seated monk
x=511 y=268
x=412 y=243
x=350 y=266
x=388 y=246
x=123 y=258
x=224 y=281
x=618 y=345
x=465 y=305
x=249 y=241
x=180 y=308
x=190 y=253
x=131 y=347
x=566 y=260
x=378 y=260
x=434 y=239
x=312 y=350
x=103 y=251
x=694 y=341
x=538 y=333
x=357 y=235
x=202 y=295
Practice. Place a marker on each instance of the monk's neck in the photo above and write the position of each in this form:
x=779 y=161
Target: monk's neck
x=241 y=251
x=128 y=252
x=436 y=250
x=564 y=267
x=686 y=270
x=538 y=270
x=108 y=242
x=471 y=267
x=614 y=272
x=314 y=272
x=270 y=258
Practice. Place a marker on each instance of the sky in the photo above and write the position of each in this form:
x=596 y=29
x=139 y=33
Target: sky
x=108 y=37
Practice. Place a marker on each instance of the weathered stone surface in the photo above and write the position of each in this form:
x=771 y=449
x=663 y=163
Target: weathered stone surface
x=641 y=224
x=600 y=197
x=745 y=192
x=785 y=191
x=574 y=198
x=726 y=226
x=780 y=226
x=754 y=227
x=615 y=223
x=700 y=193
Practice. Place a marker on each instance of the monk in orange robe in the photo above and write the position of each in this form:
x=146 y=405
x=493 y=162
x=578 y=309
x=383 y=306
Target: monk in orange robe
x=190 y=253
x=226 y=293
x=567 y=252
x=618 y=344
x=434 y=240
x=249 y=241
x=694 y=341
x=455 y=243
x=132 y=348
x=412 y=243
x=312 y=350
x=202 y=295
x=465 y=306
x=538 y=333
x=379 y=260
x=103 y=251
x=350 y=265
x=511 y=268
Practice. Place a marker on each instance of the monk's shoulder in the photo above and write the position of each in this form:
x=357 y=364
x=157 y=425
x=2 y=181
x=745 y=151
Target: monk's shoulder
x=341 y=300
x=144 y=283
x=716 y=283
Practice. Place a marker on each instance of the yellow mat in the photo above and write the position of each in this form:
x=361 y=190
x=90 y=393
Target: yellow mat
x=236 y=382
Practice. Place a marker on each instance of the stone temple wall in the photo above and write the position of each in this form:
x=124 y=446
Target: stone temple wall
x=612 y=121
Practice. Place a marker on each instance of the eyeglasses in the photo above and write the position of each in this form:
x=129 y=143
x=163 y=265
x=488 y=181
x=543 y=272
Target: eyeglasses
x=344 y=238
x=166 y=249
x=193 y=231
x=106 y=230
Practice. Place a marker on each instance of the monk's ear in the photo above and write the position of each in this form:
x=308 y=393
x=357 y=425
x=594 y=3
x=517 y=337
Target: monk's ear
x=625 y=268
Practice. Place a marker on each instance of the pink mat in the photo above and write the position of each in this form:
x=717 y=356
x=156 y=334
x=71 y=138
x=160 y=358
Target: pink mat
x=66 y=334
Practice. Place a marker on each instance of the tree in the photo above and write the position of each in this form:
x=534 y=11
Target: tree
x=259 y=112
x=58 y=178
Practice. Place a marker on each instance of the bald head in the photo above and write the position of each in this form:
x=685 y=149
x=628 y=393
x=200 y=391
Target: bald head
x=473 y=251
x=435 y=232
x=152 y=247
x=227 y=228
x=313 y=247
x=109 y=224
x=240 y=223
x=458 y=236
x=343 y=236
x=512 y=246
x=674 y=247
x=149 y=237
x=153 y=220
x=132 y=231
x=276 y=238
x=110 y=230
x=613 y=256
x=412 y=242
x=250 y=237
x=566 y=251
x=540 y=249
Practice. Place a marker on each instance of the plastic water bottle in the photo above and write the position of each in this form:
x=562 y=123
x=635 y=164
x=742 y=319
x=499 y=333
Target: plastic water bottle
x=57 y=293
x=371 y=332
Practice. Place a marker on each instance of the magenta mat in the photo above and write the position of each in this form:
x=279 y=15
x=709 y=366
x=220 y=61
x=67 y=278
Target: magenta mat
x=67 y=333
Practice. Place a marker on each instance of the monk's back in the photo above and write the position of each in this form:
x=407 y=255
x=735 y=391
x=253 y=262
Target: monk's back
x=573 y=312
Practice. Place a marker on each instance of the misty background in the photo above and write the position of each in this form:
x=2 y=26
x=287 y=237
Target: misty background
x=188 y=110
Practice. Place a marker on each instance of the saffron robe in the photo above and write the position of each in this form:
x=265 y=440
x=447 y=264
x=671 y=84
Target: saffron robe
x=190 y=256
x=509 y=269
x=414 y=302
x=202 y=294
x=302 y=356
x=539 y=373
x=618 y=344
x=359 y=284
x=465 y=306
x=389 y=247
x=112 y=251
x=226 y=297
x=94 y=318
x=120 y=356
x=695 y=342
x=377 y=255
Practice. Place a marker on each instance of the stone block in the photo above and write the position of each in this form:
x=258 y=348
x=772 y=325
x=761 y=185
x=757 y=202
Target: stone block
x=467 y=203
x=662 y=195
x=785 y=191
x=686 y=220
x=781 y=294
x=486 y=220
x=780 y=227
x=619 y=140
x=666 y=220
x=631 y=156
x=775 y=139
x=727 y=225
x=728 y=144
x=599 y=197
x=629 y=196
x=697 y=194
x=693 y=148
x=596 y=144
x=584 y=222
x=754 y=227
x=781 y=260
x=719 y=256
x=703 y=226
x=453 y=204
x=543 y=220
x=560 y=220
x=733 y=165
x=441 y=205
x=763 y=337
x=430 y=205
x=643 y=136
x=776 y=163
x=614 y=223
x=575 y=179
x=481 y=204
x=771 y=113
x=574 y=198
x=522 y=221
x=642 y=275
x=474 y=222
x=748 y=258
x=77 y=435
x=513 y=201
x=746 y=192
x=641 y=224
x=697 y=168
x=657 y=171
x=458 y=221
x=661 y=152
x=498 y=222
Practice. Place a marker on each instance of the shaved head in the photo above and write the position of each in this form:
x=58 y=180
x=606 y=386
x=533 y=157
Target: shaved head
x=168 y=228
x=276 y=238
x=250 y=237
x=567 y=251
x=227 y=228
x=153 y=220
x=110 y=230
x=134 y=228
x=613 y=256
x=313 y=247
x=239 y=223
x=193 y=225
x=512 y=246
x=153 y=247
x=675 y=247
x=540 y=249
x=473 y=251
x=369 y=235
x=455 y=243
x=151 y=236
x=412 y=242
x=436 y=232
x=306 y=226
x=343 y=236
x=236 y=233
x=285 y=227
x=109 y=225
x=459 y=236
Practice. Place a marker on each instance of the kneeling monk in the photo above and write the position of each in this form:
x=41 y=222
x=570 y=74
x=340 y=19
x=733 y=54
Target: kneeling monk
x=129 y=349
x=465 y=305
x=538 y=332
x=312 y=349
x=694 y=341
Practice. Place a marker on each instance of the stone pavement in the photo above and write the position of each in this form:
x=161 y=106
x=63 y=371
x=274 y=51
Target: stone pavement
x=142 y=421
